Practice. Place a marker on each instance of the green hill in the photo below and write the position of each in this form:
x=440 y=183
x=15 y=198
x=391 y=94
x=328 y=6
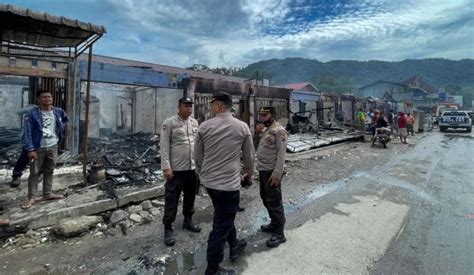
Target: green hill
x=347 y=75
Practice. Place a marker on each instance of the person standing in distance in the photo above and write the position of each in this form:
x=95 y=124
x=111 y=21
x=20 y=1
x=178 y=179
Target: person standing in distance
x=177 y=162
x=271 y=153
x=43 y=128
x=219 y=145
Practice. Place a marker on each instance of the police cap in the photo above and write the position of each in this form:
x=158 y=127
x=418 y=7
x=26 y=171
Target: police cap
x=270 y=110
x=186 y=100
x=222 y=97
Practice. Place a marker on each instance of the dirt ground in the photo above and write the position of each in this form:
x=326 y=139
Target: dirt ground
x=142 y=250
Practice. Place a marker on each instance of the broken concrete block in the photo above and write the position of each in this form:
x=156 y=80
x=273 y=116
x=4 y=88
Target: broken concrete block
x=158 y=203
x=134 y=209
x=118 y=215
x=135 y=218
x=30 y=233
x=74 y=226
x=144 y=214
x=154 y=211
x=146 y=205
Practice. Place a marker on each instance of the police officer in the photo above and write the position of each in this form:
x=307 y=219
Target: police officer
x=270 y=161
x=219 y=145
x=177 y=161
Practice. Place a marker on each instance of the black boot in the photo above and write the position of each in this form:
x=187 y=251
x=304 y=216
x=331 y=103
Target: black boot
x=276 y=240
x=267 y=228
x=237 y=249
x=190 y=226
x=220 y=271
x=169 y=238
x=15 y=181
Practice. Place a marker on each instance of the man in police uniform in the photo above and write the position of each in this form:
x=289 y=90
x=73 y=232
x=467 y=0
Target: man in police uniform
x=177 y=161
x=219 y=145
x=270 y=161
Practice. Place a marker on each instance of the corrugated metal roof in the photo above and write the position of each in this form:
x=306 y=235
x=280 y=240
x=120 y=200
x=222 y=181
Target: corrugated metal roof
x=24 y=26
x=161 y=68
x=298 y=86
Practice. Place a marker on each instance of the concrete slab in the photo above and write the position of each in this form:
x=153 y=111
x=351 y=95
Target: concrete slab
x=77 y=202
x=303 y=142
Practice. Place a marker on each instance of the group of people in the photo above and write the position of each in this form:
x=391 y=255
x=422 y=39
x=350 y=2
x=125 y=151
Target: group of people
x=43 y=128
x=211 y=154
x=401 y=123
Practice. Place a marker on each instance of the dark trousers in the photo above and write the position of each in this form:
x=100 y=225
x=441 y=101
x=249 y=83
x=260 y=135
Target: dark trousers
x=226 y=205
x=45 y=163
x=20 y=164
x=272 y=200
x=182 y=181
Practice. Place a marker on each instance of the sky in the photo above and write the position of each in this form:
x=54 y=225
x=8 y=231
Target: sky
x=225 y=33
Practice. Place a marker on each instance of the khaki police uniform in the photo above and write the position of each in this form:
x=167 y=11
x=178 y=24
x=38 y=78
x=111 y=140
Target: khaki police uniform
x=271 y=153
x=220 y=143
x=177 y=153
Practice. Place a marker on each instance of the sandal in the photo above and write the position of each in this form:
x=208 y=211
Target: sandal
x=52 y=197
x=28 y=204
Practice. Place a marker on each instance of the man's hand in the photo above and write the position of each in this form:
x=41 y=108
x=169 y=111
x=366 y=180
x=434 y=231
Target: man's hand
x=168 y=173
x=259 y=128
x=32 y=155
x=274 y=182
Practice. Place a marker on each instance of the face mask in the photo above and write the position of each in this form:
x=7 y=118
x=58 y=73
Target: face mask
x=268 y=122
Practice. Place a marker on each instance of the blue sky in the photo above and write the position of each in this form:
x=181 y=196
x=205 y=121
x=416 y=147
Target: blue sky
x=240 y=32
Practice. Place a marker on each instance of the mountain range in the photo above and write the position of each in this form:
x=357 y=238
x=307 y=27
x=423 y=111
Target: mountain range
x=348 y=75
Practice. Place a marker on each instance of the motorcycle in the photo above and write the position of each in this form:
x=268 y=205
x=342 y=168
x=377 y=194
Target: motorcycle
x=382 y=136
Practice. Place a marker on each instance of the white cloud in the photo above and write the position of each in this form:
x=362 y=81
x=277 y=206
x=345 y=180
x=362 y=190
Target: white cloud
x=233 y=33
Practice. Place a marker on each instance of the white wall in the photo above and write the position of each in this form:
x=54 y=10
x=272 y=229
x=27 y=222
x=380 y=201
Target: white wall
x=113 y=100
x=12 y=100
x=129 y=108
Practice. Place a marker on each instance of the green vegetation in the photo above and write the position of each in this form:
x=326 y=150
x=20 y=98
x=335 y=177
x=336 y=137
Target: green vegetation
x=344 y=76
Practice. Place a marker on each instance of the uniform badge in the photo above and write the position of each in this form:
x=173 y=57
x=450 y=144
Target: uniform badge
x=269 y=140
x=164 y=127
x=283 y=136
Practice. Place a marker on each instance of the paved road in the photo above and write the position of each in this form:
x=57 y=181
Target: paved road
x=414 y=214
x=351 y=209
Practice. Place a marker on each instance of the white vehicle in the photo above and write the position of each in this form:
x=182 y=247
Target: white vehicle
x=455 y=119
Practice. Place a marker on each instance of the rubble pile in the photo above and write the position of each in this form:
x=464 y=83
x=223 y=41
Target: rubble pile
x=111 y=224
x=125 y=148
x=124 y=159
x=136 y=215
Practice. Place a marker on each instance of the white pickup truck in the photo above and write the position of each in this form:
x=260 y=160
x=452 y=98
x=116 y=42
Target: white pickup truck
x=455 y=119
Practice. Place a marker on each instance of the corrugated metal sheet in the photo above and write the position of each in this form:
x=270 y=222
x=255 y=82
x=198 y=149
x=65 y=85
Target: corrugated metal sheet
x=40 y=29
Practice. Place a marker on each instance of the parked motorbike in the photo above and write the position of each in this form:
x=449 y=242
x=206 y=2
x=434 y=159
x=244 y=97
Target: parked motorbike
x=382 y=136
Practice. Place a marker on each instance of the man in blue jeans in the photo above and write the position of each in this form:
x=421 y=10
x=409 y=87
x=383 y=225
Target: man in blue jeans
x=43 y=129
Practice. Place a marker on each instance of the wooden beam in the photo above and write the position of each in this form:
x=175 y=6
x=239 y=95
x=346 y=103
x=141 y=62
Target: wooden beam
x=33 y=72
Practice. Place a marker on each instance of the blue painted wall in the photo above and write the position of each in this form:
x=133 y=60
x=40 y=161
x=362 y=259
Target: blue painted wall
x=119 y=74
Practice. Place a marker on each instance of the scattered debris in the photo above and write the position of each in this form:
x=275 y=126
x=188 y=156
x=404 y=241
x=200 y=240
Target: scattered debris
x=133 y=209
x=136 y=218
x=146 y=205
x=157 y=203
x=118 y=215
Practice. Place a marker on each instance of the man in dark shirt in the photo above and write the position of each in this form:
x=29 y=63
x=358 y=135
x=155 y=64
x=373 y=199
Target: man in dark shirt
x=380 y=123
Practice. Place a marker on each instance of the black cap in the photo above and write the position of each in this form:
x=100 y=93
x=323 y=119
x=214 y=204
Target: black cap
x=270 y=110
x=185 y=100
x=223 y=97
